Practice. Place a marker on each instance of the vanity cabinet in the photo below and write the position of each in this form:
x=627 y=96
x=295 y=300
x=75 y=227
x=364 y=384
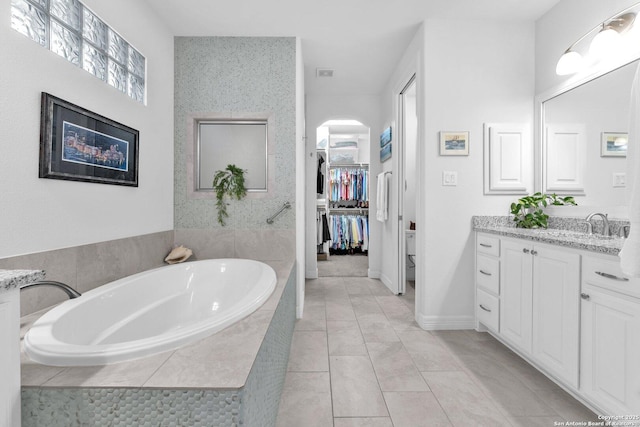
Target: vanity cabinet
x=537 y=294
x=515 y=310
x=488 y=281
x=539 y=304
x=556 y=311
x=610 y=336
x=571 y=313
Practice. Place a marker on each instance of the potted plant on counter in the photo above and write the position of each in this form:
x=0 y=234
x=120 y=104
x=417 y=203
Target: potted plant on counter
x=528 y=211
x=228 y=182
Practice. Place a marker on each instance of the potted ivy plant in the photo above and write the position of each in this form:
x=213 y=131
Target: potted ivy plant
x=528 y=211
x=228 y=182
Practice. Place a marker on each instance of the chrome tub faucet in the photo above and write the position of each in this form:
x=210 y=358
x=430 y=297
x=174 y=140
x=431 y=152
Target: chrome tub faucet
x=72 y=293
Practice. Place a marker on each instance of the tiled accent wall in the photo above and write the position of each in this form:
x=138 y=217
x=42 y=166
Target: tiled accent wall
x=236 y=75
x=89 y=266
x=256 y=404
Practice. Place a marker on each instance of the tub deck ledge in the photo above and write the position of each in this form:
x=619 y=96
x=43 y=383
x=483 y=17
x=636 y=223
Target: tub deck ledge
x=221 y=361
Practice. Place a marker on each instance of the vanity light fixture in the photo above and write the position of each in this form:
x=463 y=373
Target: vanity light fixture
x=609 y=35
x=603 y=44
x=570 y=62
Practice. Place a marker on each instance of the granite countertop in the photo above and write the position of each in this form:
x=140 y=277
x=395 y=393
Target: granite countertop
x=12 y=279
x=567 y=236
x=222 y=360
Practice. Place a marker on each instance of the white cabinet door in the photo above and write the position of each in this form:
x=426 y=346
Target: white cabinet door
x=610 y=371
x=515 y=293
x=556 y=311
x=507 y=158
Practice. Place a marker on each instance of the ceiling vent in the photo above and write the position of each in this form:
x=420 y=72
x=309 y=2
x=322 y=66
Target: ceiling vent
x=324 y=72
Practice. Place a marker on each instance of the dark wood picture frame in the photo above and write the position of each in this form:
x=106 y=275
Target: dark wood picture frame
x=79 y=145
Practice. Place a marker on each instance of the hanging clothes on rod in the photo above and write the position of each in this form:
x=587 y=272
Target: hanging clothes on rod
x=349 y=184
x=350 y=233
x=322 y=228
x=320 y=176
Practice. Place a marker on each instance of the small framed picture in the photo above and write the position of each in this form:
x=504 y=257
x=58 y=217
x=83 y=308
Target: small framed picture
x=454 y=143
x=614 y=144
x=385 y=137
x=385 y=153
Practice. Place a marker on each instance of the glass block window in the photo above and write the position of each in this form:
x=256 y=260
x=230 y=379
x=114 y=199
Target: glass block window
x=71 y=30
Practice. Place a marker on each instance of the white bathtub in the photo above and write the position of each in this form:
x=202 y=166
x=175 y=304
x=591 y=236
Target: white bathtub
x=150 y=312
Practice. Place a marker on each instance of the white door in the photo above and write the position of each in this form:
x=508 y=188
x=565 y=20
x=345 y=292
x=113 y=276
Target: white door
x=556 y=313
x=515 y=293
x=610 y=372
x=405 y=111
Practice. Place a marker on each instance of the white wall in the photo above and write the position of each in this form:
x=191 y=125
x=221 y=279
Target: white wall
x=320 y=108
x=44 y=214
x=411 y=63
x=482 y=72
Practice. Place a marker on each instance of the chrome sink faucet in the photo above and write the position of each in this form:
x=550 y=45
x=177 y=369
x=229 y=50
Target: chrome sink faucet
x=605 y=219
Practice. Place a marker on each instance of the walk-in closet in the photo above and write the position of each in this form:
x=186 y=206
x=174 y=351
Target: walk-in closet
x=342 y=198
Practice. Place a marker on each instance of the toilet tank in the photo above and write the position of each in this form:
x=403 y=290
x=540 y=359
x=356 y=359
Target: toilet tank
x=411 y=241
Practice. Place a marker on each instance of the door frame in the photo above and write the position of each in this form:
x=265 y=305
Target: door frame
x=401 y=181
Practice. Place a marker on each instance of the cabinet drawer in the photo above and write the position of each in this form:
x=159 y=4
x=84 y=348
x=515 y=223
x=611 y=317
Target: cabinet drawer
x=488 y=273
x=607 y=274
x=488 y=245
x=488 y=310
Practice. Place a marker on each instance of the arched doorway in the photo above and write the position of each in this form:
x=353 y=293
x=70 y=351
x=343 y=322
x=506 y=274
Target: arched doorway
x=342 y=189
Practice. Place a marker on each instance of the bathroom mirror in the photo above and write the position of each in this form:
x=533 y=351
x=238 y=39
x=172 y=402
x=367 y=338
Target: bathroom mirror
x=239 y=142
x=582 y=136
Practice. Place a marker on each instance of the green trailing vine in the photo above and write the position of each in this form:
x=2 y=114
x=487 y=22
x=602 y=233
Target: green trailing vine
x=228 y=182
x=528 y=211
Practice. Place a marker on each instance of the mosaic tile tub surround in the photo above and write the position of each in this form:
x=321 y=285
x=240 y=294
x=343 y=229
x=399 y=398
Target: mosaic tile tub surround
x=174 y=397
x=563 y=231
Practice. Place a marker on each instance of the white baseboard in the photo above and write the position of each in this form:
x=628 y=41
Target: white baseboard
x=373 y=274
x=311 y=274
x=434 y=323
x=387 y=282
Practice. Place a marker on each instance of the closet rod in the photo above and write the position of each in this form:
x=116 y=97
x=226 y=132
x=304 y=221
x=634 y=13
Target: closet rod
x=350 y=210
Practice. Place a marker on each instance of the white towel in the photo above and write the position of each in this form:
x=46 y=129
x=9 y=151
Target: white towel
x=630 y=253
x=382 y=212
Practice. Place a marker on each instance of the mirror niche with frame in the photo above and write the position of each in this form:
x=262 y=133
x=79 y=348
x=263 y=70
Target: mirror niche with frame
x=246 y=140
x=581 y=139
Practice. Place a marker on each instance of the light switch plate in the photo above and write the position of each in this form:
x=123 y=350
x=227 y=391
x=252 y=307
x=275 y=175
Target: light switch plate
x=449 y=178
x=619 y=179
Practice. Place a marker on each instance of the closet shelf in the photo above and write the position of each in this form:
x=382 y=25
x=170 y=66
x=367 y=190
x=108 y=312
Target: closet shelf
x=348 y=165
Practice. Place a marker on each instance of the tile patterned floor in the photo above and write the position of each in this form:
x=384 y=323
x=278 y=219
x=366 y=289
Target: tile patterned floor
x=358 y=359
